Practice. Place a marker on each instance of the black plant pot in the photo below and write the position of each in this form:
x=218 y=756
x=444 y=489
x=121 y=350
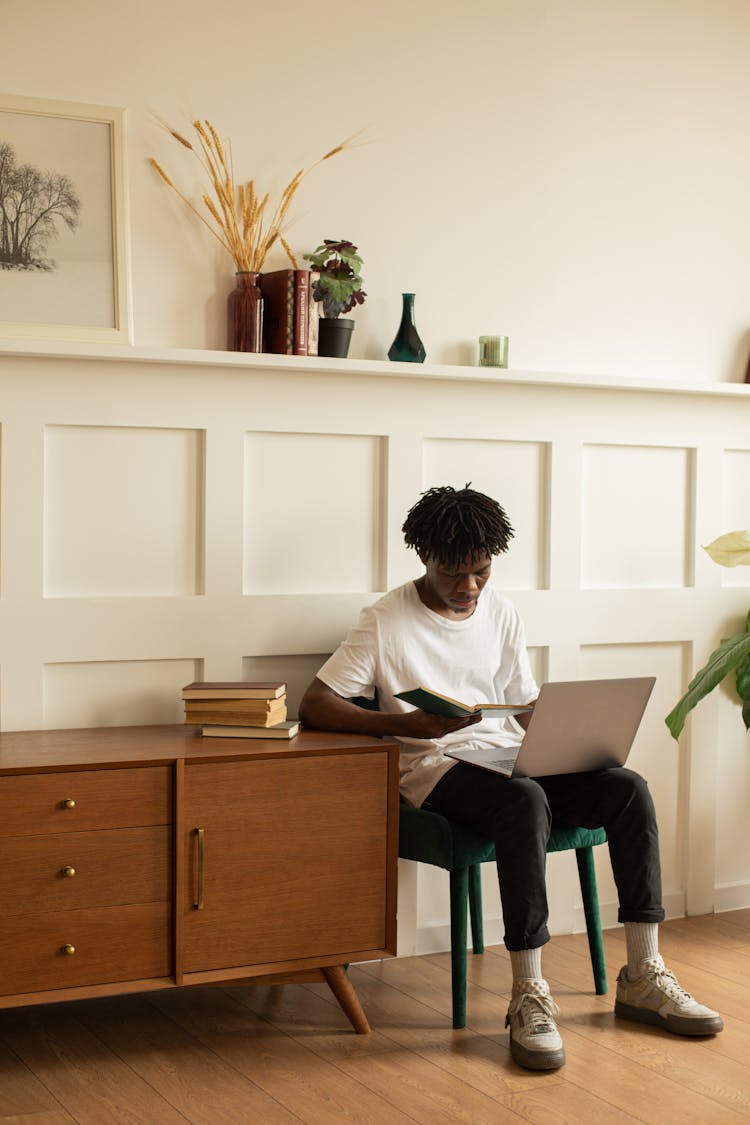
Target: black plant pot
x=334 y=334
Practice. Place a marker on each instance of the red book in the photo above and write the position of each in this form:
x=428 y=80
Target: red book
x=301 y=310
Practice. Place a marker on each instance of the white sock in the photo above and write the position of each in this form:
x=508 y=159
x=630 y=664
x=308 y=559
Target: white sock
x=641 y=941
x=526 y=963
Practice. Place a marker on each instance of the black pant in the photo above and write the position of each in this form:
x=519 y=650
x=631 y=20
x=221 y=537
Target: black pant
x=518 y=814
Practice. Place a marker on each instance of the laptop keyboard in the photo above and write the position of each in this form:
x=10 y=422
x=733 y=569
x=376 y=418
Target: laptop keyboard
x=502 y=763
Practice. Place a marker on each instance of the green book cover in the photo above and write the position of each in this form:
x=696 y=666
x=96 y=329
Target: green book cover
x=437 y=704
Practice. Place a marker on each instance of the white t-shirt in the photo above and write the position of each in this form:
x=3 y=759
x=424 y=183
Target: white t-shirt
x=399 y=644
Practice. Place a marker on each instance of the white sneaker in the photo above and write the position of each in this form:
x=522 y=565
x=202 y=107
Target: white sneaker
x=534 y=1039
x=655 y=997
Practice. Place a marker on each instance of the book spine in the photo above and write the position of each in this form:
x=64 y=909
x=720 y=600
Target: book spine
x=301 y=310
x=211 y=731
x=213 y=707
x=289 y=307
x=254 y=697
x=267 y=692
x=278 y=312
x=248 y=706
x=312 y=323
x=234 y=718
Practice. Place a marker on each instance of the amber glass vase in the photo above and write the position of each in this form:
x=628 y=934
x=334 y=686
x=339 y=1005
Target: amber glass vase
x=245 y=315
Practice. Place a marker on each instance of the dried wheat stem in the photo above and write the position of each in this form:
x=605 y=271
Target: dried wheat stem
x=288 y=249
x=155 y=164
x=193 y=208
x=238 y=213
x=182 y=140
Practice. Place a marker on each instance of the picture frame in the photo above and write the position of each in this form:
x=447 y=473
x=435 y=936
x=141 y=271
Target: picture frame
x=64 y=246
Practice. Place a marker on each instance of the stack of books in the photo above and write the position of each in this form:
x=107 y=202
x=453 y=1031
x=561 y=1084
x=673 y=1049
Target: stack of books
x=290 y=314
x=241 y=709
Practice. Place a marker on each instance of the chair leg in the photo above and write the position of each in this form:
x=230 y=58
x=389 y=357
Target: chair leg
x=475 y=908
x=459 y=890
x=587 y=876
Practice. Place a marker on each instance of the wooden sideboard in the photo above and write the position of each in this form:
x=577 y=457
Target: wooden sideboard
x=141 y=858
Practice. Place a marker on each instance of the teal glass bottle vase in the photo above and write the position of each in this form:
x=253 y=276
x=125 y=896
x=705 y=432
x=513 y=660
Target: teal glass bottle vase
x=407 y=347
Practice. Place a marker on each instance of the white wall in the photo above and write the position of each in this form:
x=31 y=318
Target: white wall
x=569 y=172
x=180 y=515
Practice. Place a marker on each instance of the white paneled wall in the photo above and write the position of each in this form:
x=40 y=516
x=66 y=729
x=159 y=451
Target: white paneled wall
x=175 y=515
x=122 y=511
x=332 y=488
x=634 y=502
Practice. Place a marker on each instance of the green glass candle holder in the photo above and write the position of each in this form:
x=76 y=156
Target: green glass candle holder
x=493 y=351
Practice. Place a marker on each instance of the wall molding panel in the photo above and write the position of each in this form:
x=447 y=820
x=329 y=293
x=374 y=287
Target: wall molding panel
x=173 y=515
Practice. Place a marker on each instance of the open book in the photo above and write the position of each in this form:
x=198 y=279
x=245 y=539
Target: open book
x=438 y=704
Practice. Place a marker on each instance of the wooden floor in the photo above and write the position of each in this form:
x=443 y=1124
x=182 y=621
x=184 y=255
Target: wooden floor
x=286 y=1054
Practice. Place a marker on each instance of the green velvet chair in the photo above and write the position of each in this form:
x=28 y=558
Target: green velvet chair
x=428 y=837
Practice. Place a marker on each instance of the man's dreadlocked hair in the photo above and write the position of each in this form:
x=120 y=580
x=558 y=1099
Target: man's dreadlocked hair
x=449 y=526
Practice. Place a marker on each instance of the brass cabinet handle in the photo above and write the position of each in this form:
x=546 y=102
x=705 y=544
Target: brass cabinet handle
x=200 y=835
x=68 y=871
x=69 y=949
x=69 y=803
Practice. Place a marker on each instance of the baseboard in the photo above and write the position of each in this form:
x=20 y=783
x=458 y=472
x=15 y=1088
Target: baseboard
x=436 y=938
x=731 y=896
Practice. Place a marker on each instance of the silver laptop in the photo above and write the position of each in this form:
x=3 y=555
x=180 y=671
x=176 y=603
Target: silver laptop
x=576 y=726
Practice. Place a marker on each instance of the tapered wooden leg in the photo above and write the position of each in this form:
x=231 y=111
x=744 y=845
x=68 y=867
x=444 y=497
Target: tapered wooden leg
x=343 y=989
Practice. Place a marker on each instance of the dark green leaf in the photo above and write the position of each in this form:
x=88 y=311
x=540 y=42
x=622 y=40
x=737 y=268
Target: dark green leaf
x=724 y=660
x=743 y=689
x=743 y=677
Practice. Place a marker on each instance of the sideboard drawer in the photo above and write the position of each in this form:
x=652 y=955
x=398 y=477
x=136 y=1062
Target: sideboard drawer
x=122 y=943
x=74 y=802
x=75 y=870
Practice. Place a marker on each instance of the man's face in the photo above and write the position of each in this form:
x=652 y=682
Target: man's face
x=454 y=591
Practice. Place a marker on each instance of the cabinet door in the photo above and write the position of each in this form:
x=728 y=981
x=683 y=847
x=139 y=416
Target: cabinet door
x=291 y=859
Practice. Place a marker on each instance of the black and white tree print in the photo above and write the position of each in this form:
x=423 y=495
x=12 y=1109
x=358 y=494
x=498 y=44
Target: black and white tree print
x=33 y=206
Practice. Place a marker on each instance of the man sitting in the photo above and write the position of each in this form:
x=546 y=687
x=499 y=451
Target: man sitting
x=450 y=631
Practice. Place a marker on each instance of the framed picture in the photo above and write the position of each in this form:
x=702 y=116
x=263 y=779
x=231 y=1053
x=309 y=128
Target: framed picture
x=63 y=225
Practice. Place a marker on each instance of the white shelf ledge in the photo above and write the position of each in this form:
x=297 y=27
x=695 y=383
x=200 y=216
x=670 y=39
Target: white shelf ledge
x=241 y=361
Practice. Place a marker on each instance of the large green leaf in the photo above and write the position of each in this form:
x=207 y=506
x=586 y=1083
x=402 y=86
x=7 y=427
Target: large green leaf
x=743 y=689
x=727 y=658
x=732 y=549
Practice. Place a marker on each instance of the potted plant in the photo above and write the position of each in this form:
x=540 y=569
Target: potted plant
x=338 y=287
x=732 y=656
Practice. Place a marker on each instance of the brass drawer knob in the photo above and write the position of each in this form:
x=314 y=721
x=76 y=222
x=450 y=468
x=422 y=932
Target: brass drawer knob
x=69 y=803
x=68 y=871
x=69 y=949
